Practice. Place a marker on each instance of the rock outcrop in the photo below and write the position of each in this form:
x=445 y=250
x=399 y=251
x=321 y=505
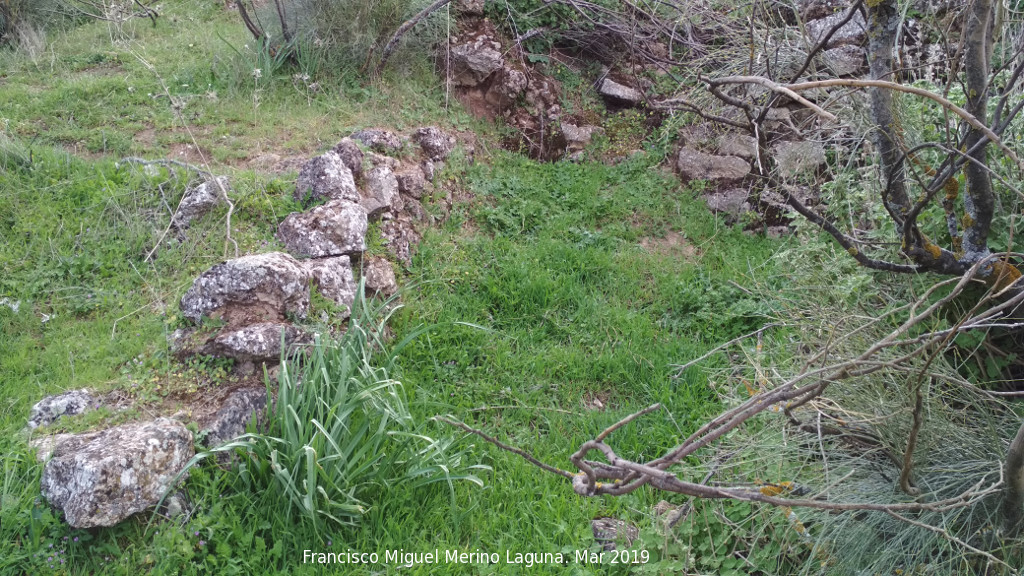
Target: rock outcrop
x=52 y=408
x=326 y=177
x=200 y=199
x=267 y=287
x=333 y=229
x=101 y=478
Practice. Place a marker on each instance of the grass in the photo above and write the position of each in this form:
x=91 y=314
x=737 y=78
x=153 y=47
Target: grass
x=551 y=303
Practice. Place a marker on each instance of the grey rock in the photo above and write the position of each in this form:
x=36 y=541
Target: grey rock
x=45 y=445
x=695 y=165
x=436 y=144
x=731 y=202
x=415 y=210
x=429 y=169
x=230 y=420
x=334 y=280
x=411 y=182
x=325 y=177
x=473 y=62
x=619 y=93
x=470 y=7
x=510 y=85
x=798 y=158
x=351 y=155
x=741 y=145
x=848 y=60
x=400 y=236
x=379 y=140
x=102 y=478
x=200 y=199
x=336 y=228
x=853 y=32
x=52 y=408
x=610 y=532
x=264 y=286
x=380 y=193
x=379 y=277
x=577 y=137
x=256 y=343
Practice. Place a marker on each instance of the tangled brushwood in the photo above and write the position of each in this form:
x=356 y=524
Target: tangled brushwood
x=893 y=428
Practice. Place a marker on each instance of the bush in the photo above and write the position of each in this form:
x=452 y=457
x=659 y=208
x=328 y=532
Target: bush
x=345 y=33
x=339 y=436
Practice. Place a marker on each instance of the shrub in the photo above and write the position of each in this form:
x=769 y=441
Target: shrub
x=339 y=436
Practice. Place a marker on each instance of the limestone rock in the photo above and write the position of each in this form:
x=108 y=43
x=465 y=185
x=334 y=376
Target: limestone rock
x=411 y=182
x=435 y=143
x=400 y=235
x=695 y=165
x=380 y=194
x=351 y=155
x=336 y=228
x=853 y=32
x=255 y=287
x=230 y=420
x=731 y=202
x=470 y=7
x=45 y=445
x=70 y=403
x=199 y=200
x=379 y=277
x=619 y=94
x=379 y=140
x=102 y=478
x=848 y=60
x=473 y=62
x=255 y=343
x=334 y=280
x=325 y=177
x=578 y=137
x=798 y=158
x=741 y=145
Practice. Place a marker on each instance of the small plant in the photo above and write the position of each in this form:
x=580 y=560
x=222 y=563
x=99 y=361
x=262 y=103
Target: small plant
x=339 y=436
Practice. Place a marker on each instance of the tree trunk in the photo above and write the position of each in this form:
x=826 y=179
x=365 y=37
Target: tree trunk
x=979 y=200
x=883 y=22
x=1013 y=494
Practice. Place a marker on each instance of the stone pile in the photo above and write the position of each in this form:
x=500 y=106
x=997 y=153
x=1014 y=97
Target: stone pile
x=246 y=309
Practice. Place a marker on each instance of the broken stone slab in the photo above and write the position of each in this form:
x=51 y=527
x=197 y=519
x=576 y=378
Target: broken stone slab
x=400 y=236
x=379 y=277
x=696 y=165
x=334 y=280
x=52 y=408
x=578 y=137
x=44 y=445
x=333 y=229
x=351 y=155
x=473 y=62
x=258 y=286
x=619 y=93
x=470 y=7
x=102 y=478
x=732 y=202
x=380 y=194
x=200 y=199
x=848 y=60
x=325 y=177
x=610 y=532
x=257 y=343
x=230 y=420
x=434 y=142
x=853 y=32
x=798 y=158
x=740 y=145
x=379 y=140
x=411 y=182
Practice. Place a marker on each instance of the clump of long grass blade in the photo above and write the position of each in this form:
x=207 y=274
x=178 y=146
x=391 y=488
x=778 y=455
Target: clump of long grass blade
x=339 y=437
